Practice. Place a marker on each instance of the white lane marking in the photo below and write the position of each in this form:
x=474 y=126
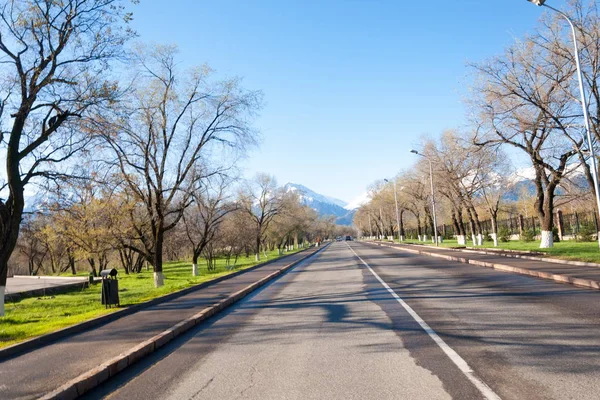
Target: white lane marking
x=487 y=392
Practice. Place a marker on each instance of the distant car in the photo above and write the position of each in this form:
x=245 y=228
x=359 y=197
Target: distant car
x=339 y=238
x=348 y=238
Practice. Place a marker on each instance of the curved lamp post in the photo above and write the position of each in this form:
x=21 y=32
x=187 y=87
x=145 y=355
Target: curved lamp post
x=435 y=233
x=583 y=102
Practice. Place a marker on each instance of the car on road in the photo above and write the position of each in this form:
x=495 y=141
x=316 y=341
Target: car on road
x=348 y=238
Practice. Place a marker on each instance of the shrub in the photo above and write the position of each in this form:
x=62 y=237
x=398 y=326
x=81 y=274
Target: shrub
x=555 y=237
x=503 y=234
x=528 y=235
x=586 y=233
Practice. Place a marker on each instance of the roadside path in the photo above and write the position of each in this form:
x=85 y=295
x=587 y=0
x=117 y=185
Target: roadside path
x=22 y=284
x=40 y=371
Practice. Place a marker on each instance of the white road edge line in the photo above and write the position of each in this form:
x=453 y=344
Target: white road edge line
x=487 y=392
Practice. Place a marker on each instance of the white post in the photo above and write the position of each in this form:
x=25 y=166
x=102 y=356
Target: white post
x=495 y=239
x=159 y=279
x=195 y=270
x=547 y=240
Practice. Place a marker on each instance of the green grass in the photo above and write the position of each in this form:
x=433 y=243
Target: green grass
x=566 y=250
x=32 y=317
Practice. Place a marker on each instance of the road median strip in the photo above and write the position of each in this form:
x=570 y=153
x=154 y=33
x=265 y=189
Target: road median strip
x=96 y=376
x=559 y=278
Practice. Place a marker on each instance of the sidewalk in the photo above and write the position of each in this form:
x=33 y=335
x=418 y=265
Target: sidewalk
x=33 y=374
x=553 y=269
x=21 y=286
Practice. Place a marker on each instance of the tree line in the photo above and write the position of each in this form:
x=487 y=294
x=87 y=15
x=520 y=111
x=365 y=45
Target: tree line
x=92 y=226
x=524 y=103
x=133 y=152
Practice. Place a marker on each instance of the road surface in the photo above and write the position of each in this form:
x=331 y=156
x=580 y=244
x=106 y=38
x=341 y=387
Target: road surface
x=362 y=322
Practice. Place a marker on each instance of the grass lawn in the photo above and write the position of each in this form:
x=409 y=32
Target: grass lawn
x=34 y=316
x=566 y=250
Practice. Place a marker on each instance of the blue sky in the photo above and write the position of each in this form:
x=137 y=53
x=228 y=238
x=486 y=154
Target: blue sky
x=350 y=85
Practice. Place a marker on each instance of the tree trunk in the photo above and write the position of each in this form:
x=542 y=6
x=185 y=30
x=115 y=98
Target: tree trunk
x=72 y=265
x=10 y=219
x=419 y=230
x=478 y=227
x=195 y=263
x=92 y=263
x=159 y=278
x=258 y=237
x=494 y=228
x=546 y=218
x=402 y=233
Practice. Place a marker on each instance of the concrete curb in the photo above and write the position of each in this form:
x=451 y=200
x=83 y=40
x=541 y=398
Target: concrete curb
x=41 y=341
x=524 y=257
x=96 y=376
x=586 y=283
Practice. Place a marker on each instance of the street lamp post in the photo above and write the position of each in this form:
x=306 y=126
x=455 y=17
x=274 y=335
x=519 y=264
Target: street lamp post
x=432 y=195
x=397 y=213
x=586 y=119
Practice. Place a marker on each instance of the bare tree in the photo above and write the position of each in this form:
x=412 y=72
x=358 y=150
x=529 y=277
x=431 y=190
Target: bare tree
x=262 y=200
x=84 y=215
x=203 y=219
x=55 y=57
x=520 y=102
x=291 y=221
x=236 y=236
x=418 y=200
x=31 y=245
x=169 y=139
x=462 y=170
x=554 y=36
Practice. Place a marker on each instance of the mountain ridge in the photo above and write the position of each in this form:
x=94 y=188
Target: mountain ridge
x=323 y=205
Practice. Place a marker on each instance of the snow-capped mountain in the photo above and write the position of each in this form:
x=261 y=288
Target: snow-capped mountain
x=324 y=205
x=358 y=201
x=523 y=180
x=310 y=195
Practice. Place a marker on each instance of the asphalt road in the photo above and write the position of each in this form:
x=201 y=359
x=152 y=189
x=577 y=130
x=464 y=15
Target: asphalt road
x=331 y=329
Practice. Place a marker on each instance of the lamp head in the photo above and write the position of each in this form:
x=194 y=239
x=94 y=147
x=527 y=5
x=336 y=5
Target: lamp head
x=414 y=152
x=537 y=2
x=386 y=180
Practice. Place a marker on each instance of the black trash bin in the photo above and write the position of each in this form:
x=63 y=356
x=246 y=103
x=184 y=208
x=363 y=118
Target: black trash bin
x=110 y=287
